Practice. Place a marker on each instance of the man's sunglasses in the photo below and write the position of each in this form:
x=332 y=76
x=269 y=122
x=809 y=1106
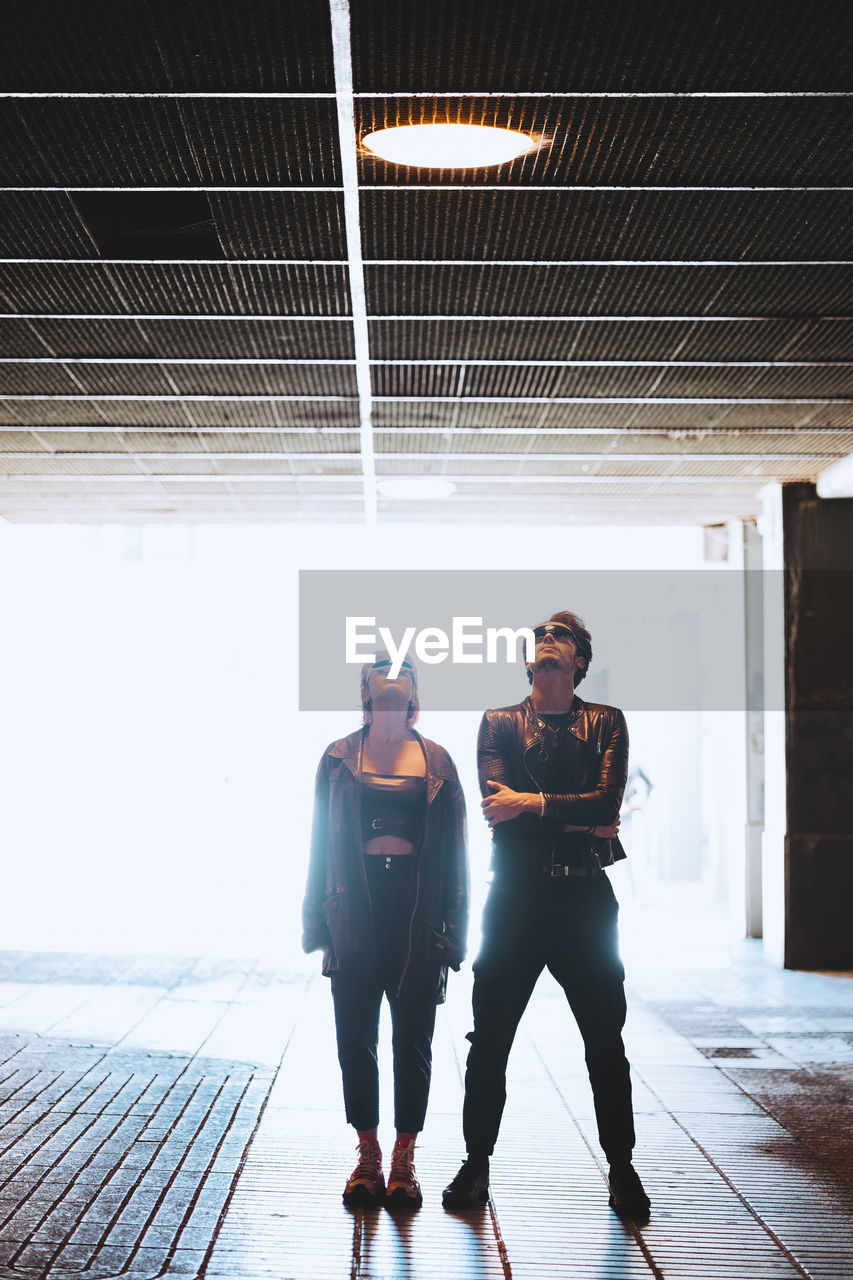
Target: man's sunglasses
x=555 y=629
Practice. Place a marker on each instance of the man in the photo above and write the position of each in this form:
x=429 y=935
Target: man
x=552 y=772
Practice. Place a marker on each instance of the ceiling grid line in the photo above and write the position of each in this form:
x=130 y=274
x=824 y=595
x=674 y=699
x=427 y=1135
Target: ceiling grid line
x=692 y=433
x=342 y=54
x=432 y=262
x=529 y=318
x=156 y=398
x=446 y=363
x=459 y=456
x=504 y=188
x=228 y=478
x=378 y=93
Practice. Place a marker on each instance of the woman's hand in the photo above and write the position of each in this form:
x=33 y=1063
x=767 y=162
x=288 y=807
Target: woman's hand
x=608 y=833
x=506 y=804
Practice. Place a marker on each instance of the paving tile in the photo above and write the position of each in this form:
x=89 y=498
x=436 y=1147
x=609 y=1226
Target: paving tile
x=130 y=1122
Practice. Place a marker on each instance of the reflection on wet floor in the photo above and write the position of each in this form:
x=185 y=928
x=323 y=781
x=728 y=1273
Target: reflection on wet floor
x=184 y=1117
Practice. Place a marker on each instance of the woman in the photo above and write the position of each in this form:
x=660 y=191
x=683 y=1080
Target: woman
x=387 y=901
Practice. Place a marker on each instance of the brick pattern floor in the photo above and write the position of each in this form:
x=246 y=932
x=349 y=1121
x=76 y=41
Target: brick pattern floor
x=183 y=1117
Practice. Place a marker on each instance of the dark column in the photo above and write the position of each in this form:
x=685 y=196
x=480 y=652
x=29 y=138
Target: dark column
x=818 y=586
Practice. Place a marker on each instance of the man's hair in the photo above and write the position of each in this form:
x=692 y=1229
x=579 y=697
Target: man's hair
x=414 y=708
x=583 y=641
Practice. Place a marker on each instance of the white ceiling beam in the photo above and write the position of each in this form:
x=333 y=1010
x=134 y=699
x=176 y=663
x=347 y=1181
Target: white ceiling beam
x=215 y=361
x=454 y=94
x=103 y=428
x=347 y=141
x=97 y=398
x=271 y=263
x=270 y=188
x=217 y=478
x=512 y=318
x=454 y=456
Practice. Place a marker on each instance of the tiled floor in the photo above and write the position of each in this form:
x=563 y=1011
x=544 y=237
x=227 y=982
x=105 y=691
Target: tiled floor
x=184 y=1117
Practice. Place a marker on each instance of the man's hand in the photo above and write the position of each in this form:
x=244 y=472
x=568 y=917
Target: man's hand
x=506 y=804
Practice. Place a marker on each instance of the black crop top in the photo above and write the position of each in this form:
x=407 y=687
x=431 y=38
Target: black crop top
x=392 y=805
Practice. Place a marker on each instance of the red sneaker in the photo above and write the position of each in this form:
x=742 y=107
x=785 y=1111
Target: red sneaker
x=366 y=1184
x=404 y=1190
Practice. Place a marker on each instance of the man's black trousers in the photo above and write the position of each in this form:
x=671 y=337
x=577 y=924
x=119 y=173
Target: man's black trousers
x=568 y=925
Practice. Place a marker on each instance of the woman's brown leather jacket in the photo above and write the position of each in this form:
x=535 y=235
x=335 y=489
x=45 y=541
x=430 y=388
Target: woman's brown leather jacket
x=337 y=914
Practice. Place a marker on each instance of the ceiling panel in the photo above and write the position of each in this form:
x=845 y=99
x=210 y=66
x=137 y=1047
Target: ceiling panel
x=733 y=469
x=615 y=45
x=79 y=338
x=670 y=141
x=317 y=415
x=670 y=226
x=285 y=224
x=249 y=338
x=121 y=379
x=259 y=45
x=268 y=379
x=81 y=48
x=76 y=287
x=436 y=414
x=95 y=142
x=183 y=337
x=557 y=339
x=159 y=46
x=38 y=224
x=812 y=447
x=57 y=411
x=614 y=380
x=163 y=288
x=648 y=290
x=263 y=141
x=19 y=378
x=132 y=441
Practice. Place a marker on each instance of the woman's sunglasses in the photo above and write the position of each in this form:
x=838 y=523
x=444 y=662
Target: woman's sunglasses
x=386 y=662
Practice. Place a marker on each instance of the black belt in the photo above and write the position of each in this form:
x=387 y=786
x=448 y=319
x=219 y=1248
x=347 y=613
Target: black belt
x=557 y=872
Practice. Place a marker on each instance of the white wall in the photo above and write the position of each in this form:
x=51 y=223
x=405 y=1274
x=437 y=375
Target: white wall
x=155 y=773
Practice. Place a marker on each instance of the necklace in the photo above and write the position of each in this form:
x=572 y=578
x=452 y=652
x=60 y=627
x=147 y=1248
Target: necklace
x=542 y=728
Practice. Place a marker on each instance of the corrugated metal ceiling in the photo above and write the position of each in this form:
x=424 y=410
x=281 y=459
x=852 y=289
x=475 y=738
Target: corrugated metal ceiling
x=215 y=305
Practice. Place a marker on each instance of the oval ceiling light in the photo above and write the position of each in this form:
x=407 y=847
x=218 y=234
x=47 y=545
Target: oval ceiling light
x=416 y=487
x=448 y=146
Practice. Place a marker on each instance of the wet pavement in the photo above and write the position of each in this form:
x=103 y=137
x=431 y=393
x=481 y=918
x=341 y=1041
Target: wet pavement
x=184 y=1117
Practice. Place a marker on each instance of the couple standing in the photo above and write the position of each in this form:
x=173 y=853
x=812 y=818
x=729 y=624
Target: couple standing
x=387 y=902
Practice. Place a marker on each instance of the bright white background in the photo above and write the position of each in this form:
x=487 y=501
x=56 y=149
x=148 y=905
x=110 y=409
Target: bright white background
x=156 y=775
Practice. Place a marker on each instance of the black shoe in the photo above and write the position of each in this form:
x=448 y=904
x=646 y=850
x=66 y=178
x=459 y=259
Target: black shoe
x=470 y=1188
x=627 y=1196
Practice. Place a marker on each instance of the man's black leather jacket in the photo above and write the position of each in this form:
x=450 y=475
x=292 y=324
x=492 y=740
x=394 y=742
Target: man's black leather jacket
x=337 y=914
x=508 y=749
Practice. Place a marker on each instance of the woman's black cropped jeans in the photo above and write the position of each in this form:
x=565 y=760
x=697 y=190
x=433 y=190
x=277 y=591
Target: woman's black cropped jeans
x=357 y=996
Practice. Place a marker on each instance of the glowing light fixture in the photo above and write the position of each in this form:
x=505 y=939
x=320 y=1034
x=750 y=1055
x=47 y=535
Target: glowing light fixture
x=415 y=487
x=448 y=146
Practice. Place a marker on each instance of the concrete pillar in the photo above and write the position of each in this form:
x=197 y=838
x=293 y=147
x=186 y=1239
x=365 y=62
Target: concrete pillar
x=754 y=726
x=817 y=538
x=775 y=778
